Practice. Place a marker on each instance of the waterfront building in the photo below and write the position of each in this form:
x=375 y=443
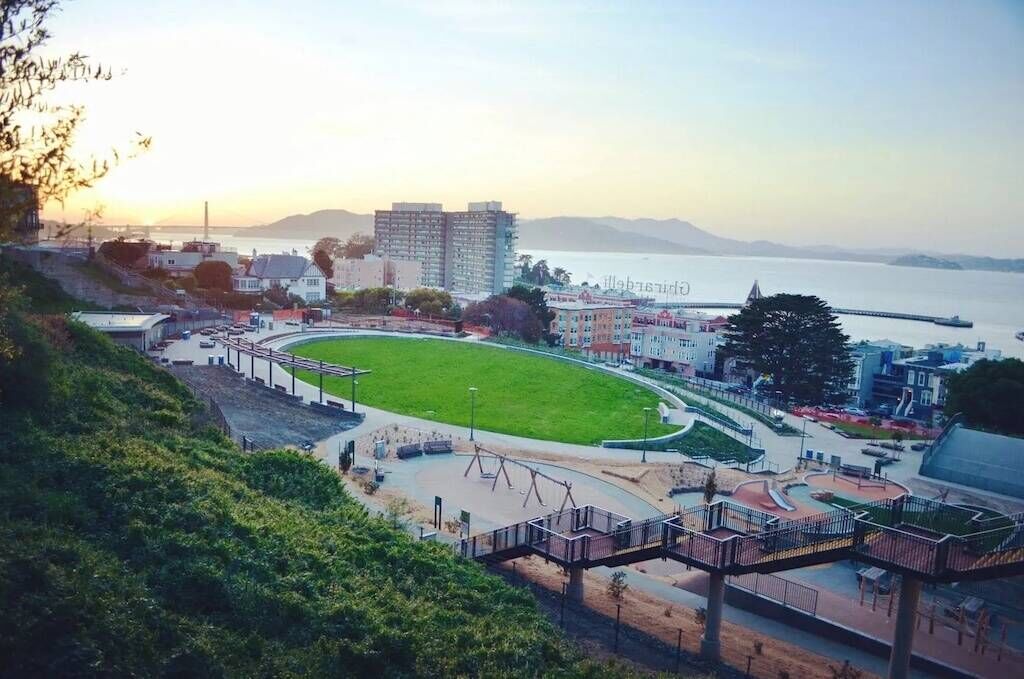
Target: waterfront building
x=138 y=330
x=376 y=272
x=294 y=273
x=598 y=330
x=871 y=359
x=916 y=386
x=593 y=294
x=470 y=251
x=677 y=340
x=192 y=253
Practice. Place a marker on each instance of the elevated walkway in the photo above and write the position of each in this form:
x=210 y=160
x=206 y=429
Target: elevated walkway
x=924 y=539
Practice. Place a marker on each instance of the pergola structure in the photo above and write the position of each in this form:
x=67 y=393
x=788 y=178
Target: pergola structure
x=254 y=350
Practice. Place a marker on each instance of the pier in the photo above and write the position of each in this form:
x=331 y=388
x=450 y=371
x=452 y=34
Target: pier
x=845 y=312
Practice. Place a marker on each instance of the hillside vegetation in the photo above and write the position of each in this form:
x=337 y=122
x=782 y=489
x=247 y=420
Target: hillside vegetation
x=135 y=541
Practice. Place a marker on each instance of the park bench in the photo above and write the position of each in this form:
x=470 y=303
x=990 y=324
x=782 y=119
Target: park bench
x=409 y=450
x=437 y=447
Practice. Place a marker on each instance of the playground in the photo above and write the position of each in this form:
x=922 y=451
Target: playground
x=517 y=393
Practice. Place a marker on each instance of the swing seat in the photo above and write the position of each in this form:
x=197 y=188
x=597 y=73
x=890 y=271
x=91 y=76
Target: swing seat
x=488 y=475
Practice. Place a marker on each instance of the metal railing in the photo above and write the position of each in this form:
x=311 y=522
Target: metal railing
x=786 y=592
x=758 y=540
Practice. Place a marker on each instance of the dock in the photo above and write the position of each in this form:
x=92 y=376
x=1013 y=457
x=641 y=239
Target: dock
x=844 y=312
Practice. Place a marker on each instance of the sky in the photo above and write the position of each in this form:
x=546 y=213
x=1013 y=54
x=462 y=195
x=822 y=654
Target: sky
x=859 y=124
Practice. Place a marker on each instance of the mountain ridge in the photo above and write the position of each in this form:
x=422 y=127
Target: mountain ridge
x=620 y=234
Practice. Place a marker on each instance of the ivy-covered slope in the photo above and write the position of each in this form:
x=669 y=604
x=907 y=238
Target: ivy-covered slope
x=135 y=542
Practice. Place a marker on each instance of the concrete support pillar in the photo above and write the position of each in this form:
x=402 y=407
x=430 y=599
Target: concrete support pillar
x=575 y=589
x=710 y=646
x=903 y=634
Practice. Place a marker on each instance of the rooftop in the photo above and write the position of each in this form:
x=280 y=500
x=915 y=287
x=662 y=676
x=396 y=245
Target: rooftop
x=119 y=322
x=584 y=306
x=278 y=266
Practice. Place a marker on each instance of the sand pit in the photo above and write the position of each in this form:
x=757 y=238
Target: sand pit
x=849 y=490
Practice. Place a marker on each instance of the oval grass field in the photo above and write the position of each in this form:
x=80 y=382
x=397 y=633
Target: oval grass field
x=518 y=393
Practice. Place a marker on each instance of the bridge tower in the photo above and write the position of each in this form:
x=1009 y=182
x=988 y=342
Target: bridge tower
x=206 y=220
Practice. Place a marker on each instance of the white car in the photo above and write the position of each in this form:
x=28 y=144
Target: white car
x=207 y=344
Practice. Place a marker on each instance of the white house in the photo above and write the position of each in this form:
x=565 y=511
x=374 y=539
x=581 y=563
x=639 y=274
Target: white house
x=295 y=273
x=192 y=254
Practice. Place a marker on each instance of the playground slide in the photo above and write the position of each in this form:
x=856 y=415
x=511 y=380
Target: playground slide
x=779 y=499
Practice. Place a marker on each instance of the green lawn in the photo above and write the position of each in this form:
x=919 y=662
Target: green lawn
x=518 y=393
x=866 y=431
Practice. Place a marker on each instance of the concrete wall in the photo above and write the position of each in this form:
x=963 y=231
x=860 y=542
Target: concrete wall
x=978 y=459
x=748 y=601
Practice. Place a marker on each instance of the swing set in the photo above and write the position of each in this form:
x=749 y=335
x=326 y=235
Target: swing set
x=495 y=466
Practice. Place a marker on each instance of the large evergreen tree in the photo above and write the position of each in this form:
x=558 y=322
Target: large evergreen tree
x=990 y=394
x=798 y=341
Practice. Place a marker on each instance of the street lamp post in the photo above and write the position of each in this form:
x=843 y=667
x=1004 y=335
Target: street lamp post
x=353 y=389
x=803 y=437
x=647 y=416
x=472 y=412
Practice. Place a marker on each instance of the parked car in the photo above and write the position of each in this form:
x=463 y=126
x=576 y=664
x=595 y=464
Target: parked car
x=207 y=344
x=919 y=446
x=855 y=411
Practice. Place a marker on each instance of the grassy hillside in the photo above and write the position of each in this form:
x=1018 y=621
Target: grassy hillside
x=135 y=542
x=519 y=393
x=47 y=296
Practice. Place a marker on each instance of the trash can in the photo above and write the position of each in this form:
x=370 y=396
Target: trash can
x=220 y=360
x=209 y=360
x=186 y=334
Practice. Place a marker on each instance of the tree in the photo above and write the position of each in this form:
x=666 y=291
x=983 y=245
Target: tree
x=561 y=276
x=396 y=510
x=710 y=487
x=798 y=341
x=535 y=298
x=897 y=437
x=505 y=315
x=429 y=301
x=990 y=395
x=123 y=252
x=541 y=272
x=357 y=246
x=323 y=260
x=525 y=263
x=617 y=585
x=37 y=135
x=213 y=275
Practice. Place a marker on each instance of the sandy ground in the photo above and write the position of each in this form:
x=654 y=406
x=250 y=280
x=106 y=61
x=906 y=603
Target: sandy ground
x=847 y=487
x=654 y=616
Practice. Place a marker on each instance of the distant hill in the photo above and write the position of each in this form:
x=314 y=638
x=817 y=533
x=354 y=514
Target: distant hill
x=925 y=262
x=618 y=234
x=336 y=223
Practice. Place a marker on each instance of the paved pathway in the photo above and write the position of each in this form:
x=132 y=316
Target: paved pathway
x=779 y=449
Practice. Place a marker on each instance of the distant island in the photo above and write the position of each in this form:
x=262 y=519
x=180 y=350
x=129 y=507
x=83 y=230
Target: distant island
x=925 y=262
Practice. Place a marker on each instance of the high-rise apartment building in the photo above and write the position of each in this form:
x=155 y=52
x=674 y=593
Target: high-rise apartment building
x=472 y=251
x=414 y=232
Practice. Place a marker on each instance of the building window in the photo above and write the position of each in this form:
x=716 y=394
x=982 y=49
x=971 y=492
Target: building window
x=910 y=377
x=926 y=398
x=921 y=378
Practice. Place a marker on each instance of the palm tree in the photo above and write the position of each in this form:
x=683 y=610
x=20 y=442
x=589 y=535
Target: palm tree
x=561 y=276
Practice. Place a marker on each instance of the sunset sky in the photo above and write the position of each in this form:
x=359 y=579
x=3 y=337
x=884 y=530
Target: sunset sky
x=857 y=123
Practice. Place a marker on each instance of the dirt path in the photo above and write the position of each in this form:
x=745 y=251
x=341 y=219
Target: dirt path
x=653 y=616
